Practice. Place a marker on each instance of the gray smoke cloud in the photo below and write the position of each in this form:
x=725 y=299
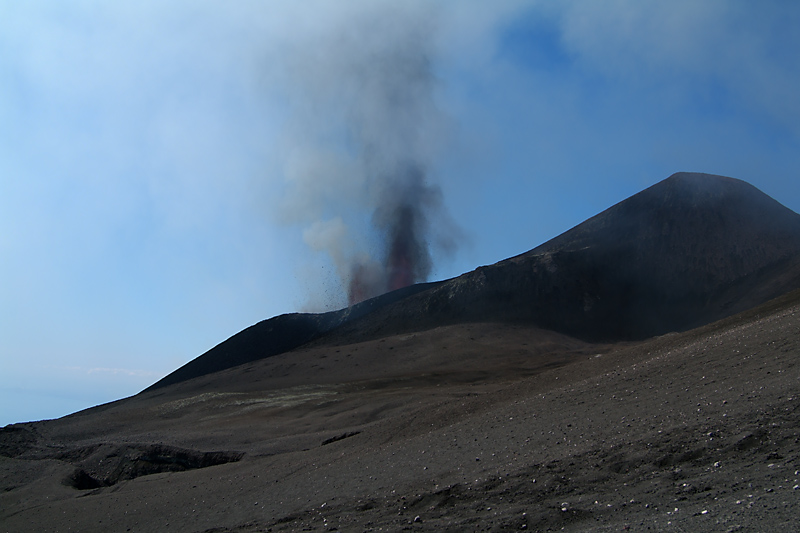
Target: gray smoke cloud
x=364 y=132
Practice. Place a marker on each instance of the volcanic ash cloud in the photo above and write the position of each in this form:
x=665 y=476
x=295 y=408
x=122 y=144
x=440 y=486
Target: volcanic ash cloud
x=363 y=135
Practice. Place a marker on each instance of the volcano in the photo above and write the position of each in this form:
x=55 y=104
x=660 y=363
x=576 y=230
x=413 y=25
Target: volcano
x=689 y=250
x=638 y=371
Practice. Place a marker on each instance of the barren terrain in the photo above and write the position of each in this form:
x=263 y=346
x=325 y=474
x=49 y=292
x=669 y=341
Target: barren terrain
x=472 y=427
x=562 y=389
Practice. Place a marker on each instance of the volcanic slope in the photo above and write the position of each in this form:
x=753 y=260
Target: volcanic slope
x=460 y=428
x=455 y=423
x=689 y=250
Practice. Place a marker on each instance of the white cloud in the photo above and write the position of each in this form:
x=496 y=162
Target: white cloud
x=735 y=50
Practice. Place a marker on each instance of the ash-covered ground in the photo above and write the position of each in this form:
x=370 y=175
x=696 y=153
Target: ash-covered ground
x=480 y=427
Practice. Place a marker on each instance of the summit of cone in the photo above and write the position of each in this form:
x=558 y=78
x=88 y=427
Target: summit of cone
x=689 y=250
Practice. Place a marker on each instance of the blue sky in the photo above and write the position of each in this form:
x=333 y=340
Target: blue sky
x=147 y=151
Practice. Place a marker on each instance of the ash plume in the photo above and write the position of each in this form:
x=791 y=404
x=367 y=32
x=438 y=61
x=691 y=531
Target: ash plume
x=365 y=131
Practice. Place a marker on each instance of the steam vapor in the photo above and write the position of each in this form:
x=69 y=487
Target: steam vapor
x=366 y=130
